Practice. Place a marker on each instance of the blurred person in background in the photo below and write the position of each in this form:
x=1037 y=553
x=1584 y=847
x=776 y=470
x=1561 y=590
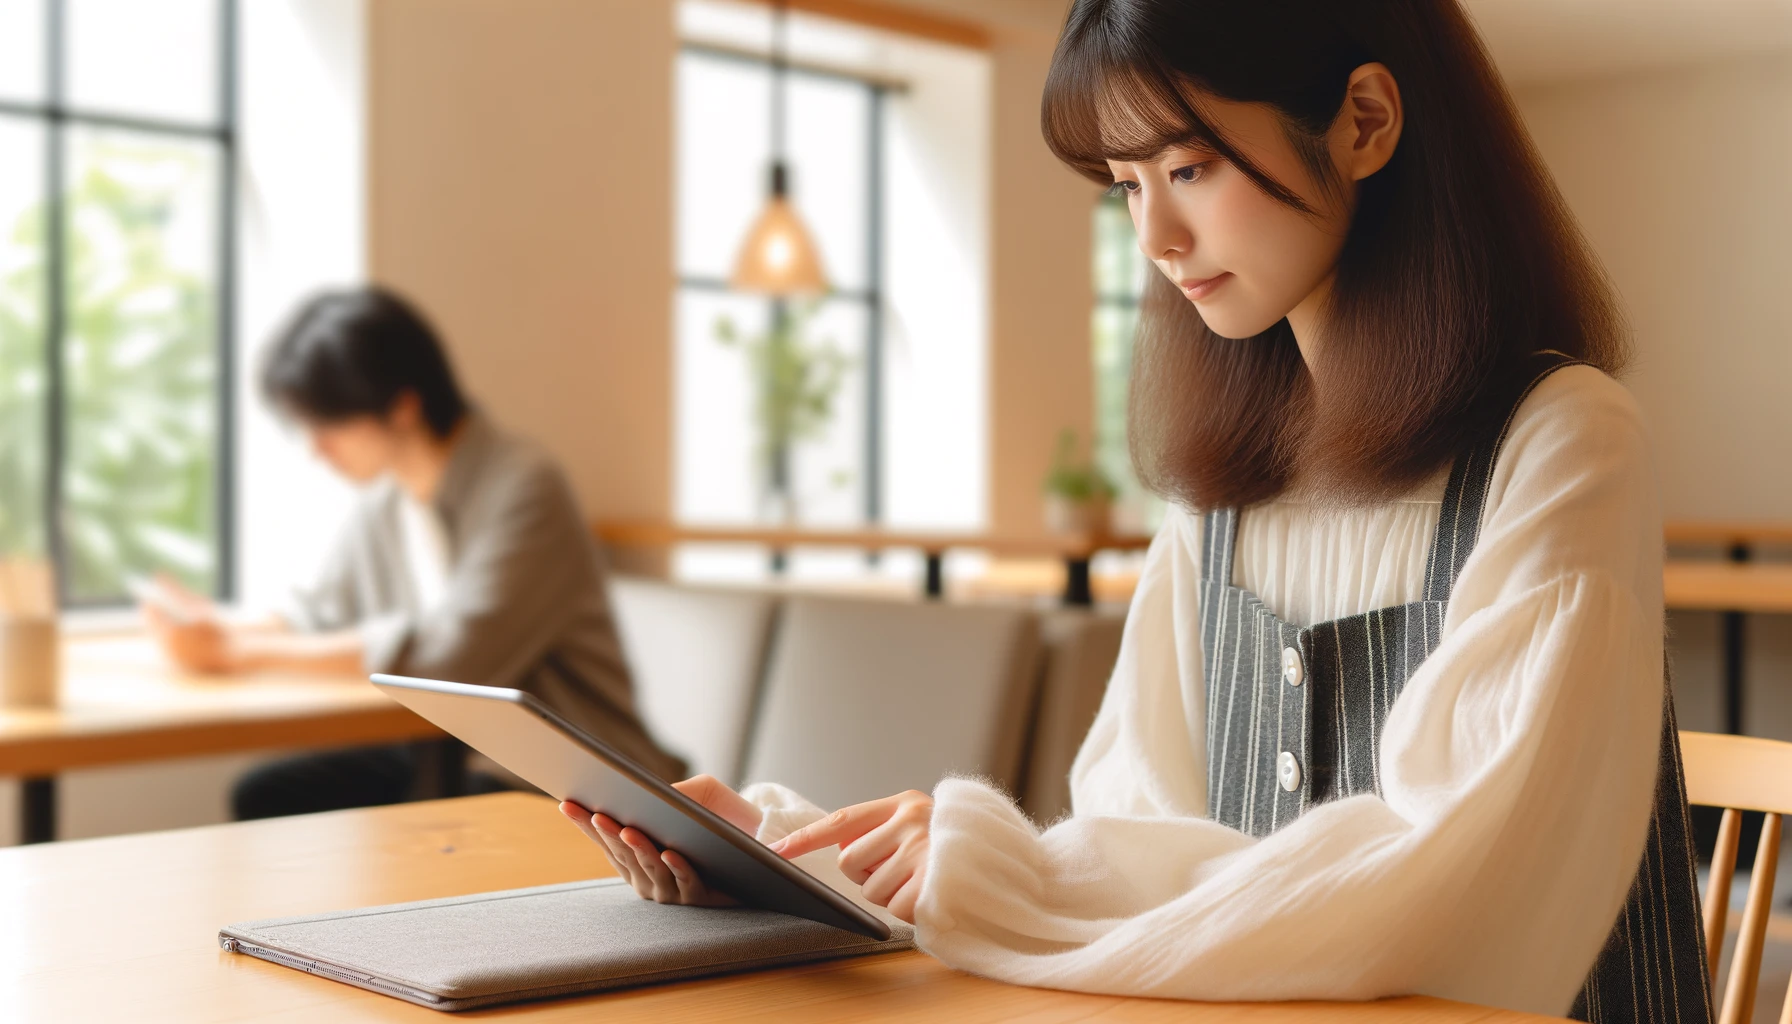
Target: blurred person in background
x=465 y=558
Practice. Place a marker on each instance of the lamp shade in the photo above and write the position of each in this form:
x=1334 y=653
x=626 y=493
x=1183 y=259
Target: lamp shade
x=778 y=256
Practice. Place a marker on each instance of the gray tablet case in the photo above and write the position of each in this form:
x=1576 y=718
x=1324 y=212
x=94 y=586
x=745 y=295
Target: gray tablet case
x=553 y=940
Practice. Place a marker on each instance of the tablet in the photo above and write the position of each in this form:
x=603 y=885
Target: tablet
x=527 y=737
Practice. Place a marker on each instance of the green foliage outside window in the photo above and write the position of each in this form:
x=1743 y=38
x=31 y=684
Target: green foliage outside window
x=139 y=359
x=797 y=381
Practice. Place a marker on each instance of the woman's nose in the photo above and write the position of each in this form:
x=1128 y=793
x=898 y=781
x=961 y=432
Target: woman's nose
x=1162 y=232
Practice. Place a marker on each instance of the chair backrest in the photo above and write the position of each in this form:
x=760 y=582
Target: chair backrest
x=1080 y=649
x=865 y=698
x=697 y=656
x=1740 y=773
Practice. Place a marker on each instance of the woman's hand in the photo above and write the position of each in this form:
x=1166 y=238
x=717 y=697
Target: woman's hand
x=195 y=644
x=664 y=876
x=883 y=847
x=187 y=627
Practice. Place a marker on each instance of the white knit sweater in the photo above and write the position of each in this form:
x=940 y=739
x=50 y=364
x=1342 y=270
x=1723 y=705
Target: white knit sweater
x=1517 y=765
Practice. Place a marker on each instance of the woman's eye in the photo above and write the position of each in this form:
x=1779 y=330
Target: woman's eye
x=1120 y=189
x=1191 y=173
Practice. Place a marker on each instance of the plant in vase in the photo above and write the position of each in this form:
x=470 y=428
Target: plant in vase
x=796 y=384
x=1078 y=494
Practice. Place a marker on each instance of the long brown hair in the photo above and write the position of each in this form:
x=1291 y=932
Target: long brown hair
x=1461 y=258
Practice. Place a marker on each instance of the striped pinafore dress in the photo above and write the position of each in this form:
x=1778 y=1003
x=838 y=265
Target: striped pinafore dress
x=1294 y=718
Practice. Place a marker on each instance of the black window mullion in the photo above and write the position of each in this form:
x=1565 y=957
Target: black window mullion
x=874 y=312
x=60 y=111
x=55 y=292
x=224 y=469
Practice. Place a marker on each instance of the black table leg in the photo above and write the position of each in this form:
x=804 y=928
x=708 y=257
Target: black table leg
x=1735 y=655
x=1077 y=590
x=1734 y=627
x=37 y=810
x=936 y=575
x=441 y=768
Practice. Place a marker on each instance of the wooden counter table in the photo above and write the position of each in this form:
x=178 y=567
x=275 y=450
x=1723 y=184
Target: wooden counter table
x=1075 y=549
x=126 y=929
x=121 y=702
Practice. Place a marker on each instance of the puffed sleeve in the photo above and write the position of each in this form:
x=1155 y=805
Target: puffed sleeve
x=1517 y=770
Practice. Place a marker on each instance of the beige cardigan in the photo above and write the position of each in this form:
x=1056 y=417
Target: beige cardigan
x=525 y=604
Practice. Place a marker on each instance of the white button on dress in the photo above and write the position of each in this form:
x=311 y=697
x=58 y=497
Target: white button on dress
x=1288 y=771
x=1293 y=672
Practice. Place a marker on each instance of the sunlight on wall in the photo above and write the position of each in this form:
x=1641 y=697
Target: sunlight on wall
x=302 y=229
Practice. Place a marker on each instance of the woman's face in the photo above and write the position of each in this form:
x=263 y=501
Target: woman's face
x=1244 y=259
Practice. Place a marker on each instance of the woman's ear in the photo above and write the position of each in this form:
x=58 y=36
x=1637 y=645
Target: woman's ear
x=1368 y=126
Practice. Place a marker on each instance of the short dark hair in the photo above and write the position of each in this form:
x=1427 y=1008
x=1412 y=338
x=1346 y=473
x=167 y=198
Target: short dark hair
x=1461 y=259
x=353 y=353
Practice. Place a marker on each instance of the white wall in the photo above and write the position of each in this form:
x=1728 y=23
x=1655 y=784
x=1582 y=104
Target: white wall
x=1682 y=179
x=938 y=183
x=303 y=212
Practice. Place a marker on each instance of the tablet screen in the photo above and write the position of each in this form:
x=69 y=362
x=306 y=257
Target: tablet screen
x=528 y=738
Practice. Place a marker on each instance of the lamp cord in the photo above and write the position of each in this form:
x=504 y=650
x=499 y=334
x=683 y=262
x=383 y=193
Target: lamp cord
x=778 y=184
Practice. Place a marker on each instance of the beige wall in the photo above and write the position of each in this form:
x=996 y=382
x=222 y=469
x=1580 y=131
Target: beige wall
x=1041 y=292
x=518 y=187
x=1682 y=180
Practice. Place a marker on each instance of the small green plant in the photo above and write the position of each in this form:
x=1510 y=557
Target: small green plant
x=1074 y=479
x=797 y=383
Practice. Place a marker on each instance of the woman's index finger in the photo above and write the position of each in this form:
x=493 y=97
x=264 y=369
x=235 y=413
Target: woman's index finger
x=837 y=829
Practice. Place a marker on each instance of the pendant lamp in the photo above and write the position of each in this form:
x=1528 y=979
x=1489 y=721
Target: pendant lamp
x=778 y=257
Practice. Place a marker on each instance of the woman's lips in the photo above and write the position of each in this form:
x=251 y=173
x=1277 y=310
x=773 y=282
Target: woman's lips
x=1198 y=288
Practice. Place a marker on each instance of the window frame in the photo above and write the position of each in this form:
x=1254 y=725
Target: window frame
x=57 y=115
x=1125 y=302
x=871 y=296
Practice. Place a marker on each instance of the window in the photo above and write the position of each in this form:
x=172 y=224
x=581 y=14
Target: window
x=887 y=142
x=1119 y=281
x=833 y=133
x=117 y=147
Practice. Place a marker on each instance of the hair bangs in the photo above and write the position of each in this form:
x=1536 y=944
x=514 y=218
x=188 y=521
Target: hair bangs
x=1098 y=106
x=1111 y=95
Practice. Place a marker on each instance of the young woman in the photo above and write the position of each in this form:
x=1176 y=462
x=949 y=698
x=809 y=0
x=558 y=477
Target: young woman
x=1389 y=711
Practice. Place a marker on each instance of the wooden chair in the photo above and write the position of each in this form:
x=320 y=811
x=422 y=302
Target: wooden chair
x=1740 y=773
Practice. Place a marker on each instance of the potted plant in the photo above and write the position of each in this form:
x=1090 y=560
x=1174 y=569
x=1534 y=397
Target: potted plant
x=796 y=383
x=1078 y=494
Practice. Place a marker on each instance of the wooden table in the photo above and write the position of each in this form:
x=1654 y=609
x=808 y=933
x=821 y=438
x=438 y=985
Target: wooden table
x=1729 y=586
x=122 y=702
x=126 y=929
x=1733 y=589
x=1076 y=549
